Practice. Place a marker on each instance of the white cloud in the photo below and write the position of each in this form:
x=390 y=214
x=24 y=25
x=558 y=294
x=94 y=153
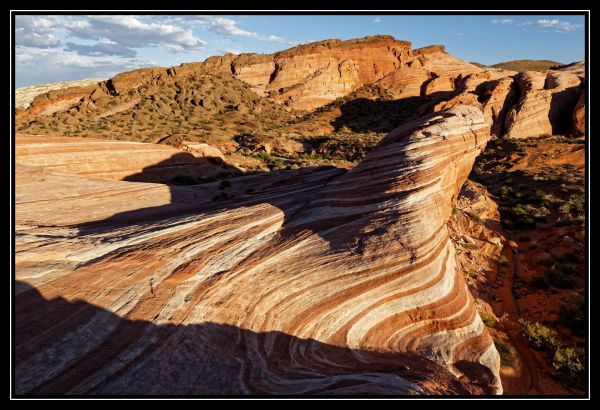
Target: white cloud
x=72 y=47
x=28 y=38
x=132 y=32
x=376 y=20
x=553 y=24
x=61 y=65
x=102 y=48
x=228 y=27
x=502 y=21
x=34 y=31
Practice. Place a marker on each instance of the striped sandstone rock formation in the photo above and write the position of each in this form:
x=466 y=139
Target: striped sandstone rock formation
x=319 y=281
x=133 y=161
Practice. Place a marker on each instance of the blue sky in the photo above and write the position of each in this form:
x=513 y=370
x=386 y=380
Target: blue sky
x=59 y=48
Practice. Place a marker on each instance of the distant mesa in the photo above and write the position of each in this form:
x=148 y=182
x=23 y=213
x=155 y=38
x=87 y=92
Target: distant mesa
x=527 y=65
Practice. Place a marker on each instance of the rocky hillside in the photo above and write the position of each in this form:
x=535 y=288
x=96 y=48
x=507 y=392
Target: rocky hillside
x=25 y=95
x=527 y=65
x=330 y=100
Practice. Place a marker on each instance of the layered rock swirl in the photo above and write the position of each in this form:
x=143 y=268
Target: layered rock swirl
x=340 y=283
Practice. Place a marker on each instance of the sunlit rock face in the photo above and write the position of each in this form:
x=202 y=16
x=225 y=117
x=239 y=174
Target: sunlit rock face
x=315 y=281
x=545 y=106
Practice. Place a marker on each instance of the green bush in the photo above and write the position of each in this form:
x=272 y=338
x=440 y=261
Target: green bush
x=269 y=161
x=551 y=278
x=488 y=319
x=570 y=257
x=571 y=314
x=505 y=192
x=508 y=354
x=569 y=362
x=475 y=218
x=538 y=335
x=502 y=260
x=546 y=262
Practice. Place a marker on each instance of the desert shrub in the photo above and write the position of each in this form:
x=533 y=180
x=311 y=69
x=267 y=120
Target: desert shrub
x=475 y=218
x=540 y=177
x=538 y=335
x=502 y=260
x=577 y=202
x=547 y=199
x=505 y=192
x=508 y=354
x=488 y=319
x=569 y=363
x=570 y=257
x=570 y=221
x=476 y=169
x=269 y=161
x=571 y=314
x=522 y=216
x=564 y=268
x=551 y=278
x=546 y=262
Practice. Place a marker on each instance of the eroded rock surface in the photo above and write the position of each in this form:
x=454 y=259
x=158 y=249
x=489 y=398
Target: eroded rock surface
x=544 y=106
x=119 y=160
x=315 y=281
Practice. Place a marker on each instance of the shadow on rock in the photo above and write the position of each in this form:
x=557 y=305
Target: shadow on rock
x=76 y=348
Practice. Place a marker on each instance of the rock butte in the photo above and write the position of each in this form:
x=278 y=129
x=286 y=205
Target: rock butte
x=319 y=281
x=310 y=76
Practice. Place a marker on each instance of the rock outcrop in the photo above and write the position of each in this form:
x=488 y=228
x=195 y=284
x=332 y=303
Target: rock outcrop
x=545 y=104
x=528 y=104
x=25 y=95
x=577 y=68
x=316 y=281
x=312 y=75
x=579 y=116
x=118 y=159
x=239 y=92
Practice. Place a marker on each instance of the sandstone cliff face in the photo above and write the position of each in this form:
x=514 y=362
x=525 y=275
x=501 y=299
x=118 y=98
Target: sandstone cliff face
x=315 y=74
x=524 y=105
x=312 y=75
x=579 y=116
x=307 y=285
x=544 y=106
x=276 y=89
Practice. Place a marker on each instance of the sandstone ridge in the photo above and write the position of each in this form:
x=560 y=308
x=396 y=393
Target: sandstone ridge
x=298 y=90
x=302 y=285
